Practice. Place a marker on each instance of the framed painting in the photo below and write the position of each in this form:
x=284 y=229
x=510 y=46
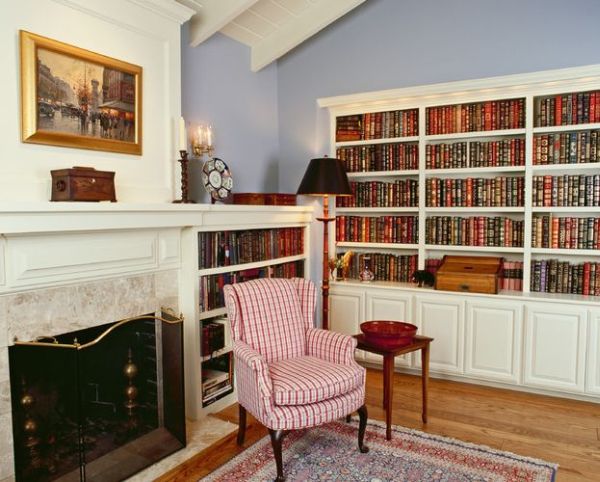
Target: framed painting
x=72 y=97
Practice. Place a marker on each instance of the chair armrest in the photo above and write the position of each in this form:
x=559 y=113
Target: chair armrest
x=331 y=346
x=253 y=380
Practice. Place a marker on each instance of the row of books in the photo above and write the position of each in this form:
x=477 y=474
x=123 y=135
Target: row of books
x=565 y=232
x=211 y=286
x=554 y=276
x=400 y=193
x=511 y=275
x=475 y=117
x=378 y=125
x=479 y=192
x=567 y=190
x=568 y=109
x=507 y=152
x=382 y=229
x=224 y=248
x=379 y=157
x=566 y=147
x=474 y=231
x=385 y=267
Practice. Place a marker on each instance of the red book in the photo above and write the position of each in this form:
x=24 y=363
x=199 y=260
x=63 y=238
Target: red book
x=558 y=110
x=593 y=107
x=586 y=278
x=487 y=123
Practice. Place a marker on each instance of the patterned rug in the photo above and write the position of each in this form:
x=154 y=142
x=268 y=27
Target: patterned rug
x=330 y=453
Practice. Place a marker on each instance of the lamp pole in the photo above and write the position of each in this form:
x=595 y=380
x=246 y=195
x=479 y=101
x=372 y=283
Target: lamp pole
x=325 y=285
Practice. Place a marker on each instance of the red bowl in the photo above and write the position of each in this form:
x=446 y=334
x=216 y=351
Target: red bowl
x=388 y=333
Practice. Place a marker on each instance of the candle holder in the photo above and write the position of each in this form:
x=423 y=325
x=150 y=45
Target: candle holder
x=184 y=179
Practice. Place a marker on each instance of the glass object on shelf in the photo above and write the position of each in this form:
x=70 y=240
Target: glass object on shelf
x=366 y=274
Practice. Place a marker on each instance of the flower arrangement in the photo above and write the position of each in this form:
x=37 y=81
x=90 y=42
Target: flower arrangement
x=340 y=265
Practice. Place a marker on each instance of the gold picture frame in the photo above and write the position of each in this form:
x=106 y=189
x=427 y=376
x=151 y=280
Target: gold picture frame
x=72 y=97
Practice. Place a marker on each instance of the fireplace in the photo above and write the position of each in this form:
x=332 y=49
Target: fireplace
x=98 y=404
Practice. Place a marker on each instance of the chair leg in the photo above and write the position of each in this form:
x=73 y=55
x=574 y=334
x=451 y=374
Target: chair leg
x=362 y=425
x=276 y=438
x=241 y=425
x=348 y=418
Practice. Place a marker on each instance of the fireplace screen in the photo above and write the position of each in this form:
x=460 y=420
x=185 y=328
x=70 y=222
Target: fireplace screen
x=98 y=404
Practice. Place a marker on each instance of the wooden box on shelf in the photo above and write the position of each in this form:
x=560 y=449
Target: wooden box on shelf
x=471 y=274
x=83 y=184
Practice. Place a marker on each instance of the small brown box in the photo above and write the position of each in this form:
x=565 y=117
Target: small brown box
x=83 y=184
x=471 y=274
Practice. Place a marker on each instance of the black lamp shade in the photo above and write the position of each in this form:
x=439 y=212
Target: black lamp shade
x=325 y=176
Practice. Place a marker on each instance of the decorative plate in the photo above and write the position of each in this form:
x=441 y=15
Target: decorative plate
x=216 y=178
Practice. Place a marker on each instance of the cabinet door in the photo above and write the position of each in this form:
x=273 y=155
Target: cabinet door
x=442 y=318
x=389 y=305
x=593 y=360
x=346 y=312
x=493 y=341
x=555 y=346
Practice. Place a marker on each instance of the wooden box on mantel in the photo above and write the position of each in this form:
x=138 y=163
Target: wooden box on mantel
x=83 y=184
x=471 y=274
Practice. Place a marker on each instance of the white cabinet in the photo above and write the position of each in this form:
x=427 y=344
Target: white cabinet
x=389 y=305
x=442 y=318
x=592 y=385
x=346 y=312
x=555 y=346
x=493 y=341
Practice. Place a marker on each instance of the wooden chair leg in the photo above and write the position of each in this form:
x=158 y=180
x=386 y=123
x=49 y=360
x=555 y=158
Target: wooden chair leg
x=276 y=438
x=362 y=425
x=241 y=425
x=348 y=418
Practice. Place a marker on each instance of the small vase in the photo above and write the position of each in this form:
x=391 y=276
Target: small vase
x=366 y=274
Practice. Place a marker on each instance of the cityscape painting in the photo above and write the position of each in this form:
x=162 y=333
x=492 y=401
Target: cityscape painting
x=75 y=98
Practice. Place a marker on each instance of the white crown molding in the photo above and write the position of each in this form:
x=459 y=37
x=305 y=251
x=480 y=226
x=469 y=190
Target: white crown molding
x=548 y=78
x=295 y=32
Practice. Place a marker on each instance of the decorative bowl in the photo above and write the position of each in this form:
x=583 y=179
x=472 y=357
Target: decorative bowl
x=389 y=334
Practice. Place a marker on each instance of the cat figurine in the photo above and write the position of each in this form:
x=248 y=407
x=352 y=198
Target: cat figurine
x=423 y=278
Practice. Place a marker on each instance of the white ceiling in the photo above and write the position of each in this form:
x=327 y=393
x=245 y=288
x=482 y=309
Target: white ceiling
x=269 y=27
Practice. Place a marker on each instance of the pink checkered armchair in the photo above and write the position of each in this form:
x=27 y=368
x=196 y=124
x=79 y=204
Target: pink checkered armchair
x=290 y=375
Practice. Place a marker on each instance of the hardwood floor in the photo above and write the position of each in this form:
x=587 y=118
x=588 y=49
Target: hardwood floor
x=563 y=431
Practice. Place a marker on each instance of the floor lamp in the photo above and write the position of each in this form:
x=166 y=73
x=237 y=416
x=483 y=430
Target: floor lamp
x=325 y=176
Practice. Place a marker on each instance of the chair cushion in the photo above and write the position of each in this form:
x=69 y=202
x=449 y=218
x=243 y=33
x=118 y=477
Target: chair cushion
x=307 y=379
x=271 y=315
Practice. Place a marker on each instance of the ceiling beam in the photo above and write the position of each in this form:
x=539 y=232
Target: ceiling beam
x=296 y=31
x=213 y=16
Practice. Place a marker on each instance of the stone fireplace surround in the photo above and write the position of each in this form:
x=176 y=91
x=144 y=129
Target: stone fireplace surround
x=68 y=266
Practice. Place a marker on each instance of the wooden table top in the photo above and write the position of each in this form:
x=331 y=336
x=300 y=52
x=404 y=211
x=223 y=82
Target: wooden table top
x=418 y=342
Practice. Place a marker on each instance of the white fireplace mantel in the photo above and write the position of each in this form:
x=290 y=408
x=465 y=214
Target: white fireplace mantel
x=47 y=244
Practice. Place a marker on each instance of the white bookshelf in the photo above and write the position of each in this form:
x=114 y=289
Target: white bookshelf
x=226 y=218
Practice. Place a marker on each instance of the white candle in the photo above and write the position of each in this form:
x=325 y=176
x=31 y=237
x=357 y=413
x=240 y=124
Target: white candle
x=209 y=136
x=182 y=135
x=200 y=132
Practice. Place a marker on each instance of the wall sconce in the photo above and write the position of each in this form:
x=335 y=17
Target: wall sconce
x=202 y=141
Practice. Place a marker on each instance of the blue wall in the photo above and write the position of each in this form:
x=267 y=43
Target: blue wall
x=218 y=88
x=386 y=44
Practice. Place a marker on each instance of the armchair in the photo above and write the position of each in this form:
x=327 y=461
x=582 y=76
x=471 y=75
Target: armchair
x=290 y=375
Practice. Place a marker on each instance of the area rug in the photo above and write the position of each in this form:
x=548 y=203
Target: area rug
x=330 y=453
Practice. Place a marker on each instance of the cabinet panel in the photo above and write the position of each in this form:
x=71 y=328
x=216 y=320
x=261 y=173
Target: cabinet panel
x=593 y=359
x=442 y=318
x=493 y=341
x=555 y=346
x=389 y=305
x=346 y=313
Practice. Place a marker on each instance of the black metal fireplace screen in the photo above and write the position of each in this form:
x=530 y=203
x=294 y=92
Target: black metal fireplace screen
x=98 y=404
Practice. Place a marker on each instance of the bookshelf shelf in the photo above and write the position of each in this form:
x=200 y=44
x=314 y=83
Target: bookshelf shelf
x=350 y=244
x=552 y=168
x=475 y=135
x=378 y=210
x=566 y=252
x=474 y=170
x=567 y=209
x=473 y=209
x=385 y=174
x=483 y=249
x=569 y=128
x=212 y=313
x=368 y=142
x=245 y=266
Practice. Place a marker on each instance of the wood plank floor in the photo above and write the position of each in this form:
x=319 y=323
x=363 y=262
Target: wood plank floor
x=558 y=430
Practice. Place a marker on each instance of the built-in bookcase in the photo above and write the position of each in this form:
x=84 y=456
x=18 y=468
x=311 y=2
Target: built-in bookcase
x=513 y=172
x=254 y=242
